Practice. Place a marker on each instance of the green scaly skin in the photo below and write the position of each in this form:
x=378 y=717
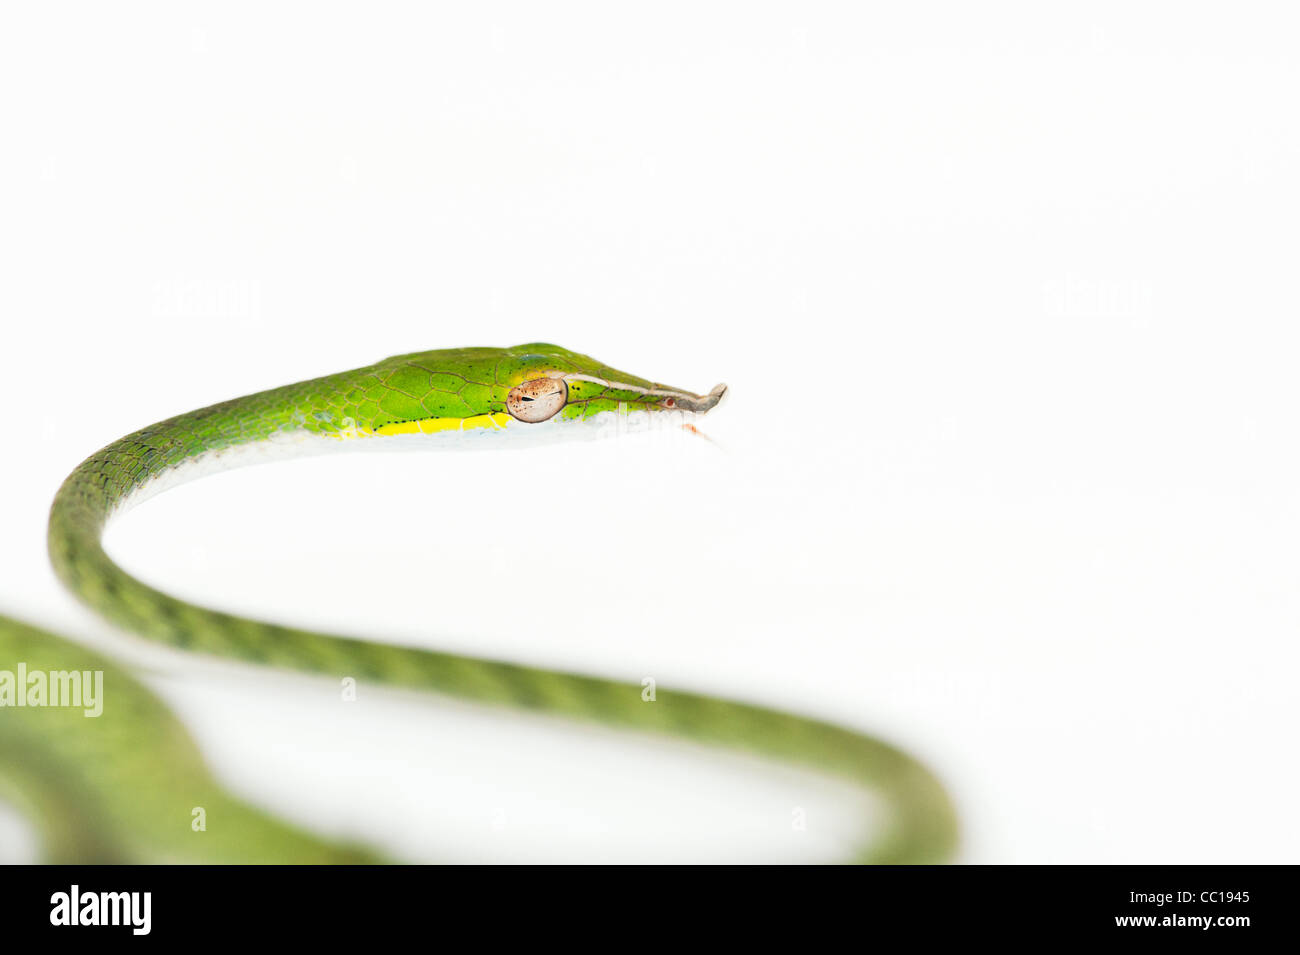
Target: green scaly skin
x=431 y=386
x=121 y=787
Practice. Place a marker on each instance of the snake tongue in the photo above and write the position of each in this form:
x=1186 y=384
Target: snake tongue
x=699 y=404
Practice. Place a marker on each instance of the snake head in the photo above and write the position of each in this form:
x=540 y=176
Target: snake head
x=494 y=388
x=547 y=380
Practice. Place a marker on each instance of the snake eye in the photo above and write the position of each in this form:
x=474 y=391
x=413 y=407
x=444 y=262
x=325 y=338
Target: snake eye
x=537 y=400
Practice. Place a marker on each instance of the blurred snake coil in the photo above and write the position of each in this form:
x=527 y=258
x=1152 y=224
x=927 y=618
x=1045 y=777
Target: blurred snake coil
x=119 y=788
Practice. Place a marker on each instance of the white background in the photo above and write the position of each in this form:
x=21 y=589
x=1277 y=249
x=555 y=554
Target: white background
x=1006 y=298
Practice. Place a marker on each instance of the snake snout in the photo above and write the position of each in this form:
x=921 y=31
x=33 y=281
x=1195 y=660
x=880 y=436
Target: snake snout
x=699 y=404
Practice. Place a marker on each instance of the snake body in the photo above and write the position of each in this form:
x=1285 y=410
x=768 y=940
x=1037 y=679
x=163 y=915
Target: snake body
x=80 y=783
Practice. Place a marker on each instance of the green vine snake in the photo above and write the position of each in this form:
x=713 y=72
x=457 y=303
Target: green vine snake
x=120 y=787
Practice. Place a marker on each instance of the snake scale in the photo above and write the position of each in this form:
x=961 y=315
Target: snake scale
x=120 y=787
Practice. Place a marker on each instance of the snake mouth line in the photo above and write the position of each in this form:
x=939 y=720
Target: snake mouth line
x=700 y=404
x=669 y=397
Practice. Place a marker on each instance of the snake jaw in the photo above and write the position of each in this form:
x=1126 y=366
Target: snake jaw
x=696 y=404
